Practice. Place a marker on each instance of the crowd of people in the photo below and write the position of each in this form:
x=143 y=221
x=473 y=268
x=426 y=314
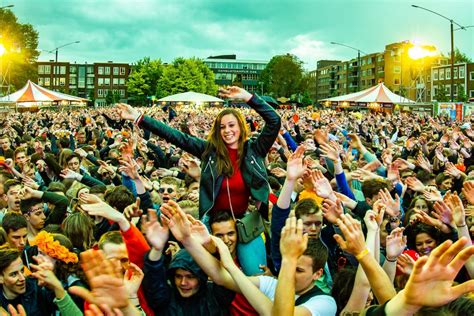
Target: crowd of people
x=226 y=211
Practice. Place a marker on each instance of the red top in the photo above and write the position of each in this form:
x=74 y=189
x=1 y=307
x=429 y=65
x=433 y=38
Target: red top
x=239 y=192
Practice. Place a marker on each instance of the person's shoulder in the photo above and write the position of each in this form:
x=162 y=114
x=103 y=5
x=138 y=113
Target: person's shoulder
x=321 y=305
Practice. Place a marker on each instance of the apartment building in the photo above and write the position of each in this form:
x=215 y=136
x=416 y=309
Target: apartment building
x=91 y=81
x=228 y=70
x=463 y=76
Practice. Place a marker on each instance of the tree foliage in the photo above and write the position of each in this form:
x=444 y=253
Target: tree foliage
x=441 y=94
x=20 y=41
x=460 y=57
x=144 y=78
x=186 y=75
x=461 y=96
x=284 y=76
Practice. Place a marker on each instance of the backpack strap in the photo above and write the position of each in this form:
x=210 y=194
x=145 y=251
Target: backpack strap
x=315 y=291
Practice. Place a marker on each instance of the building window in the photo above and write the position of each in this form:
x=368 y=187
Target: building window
x=121 y=81
x=435 y=89
x=471 y=93
x=461 y=73
x=100 y=92
x=90 y=69
x=122 y=70
x=396 y=81
x=380 y=58
x=115 y=81
x=441 y=74
x=471 y=75
x=40 y=69
x=448 y=73
x=122 y=92
x=72 y=81
x=107 y=70
x=396 y=69
x=90 y=81
x=73 y=69
x=47 y=82
x=116 y=71
x=100 y=81
x=435 y=74
x=455 y=72
x=47 y=69
x=107 y=81
x=40 y=81
x=448 y=89
x=100 y=70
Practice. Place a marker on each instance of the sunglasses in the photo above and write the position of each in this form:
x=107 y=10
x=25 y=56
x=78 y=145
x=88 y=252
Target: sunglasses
x=168 y=190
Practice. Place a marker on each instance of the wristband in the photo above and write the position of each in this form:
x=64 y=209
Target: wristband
x=459 y=226
x=362 y=254
x=395 y=260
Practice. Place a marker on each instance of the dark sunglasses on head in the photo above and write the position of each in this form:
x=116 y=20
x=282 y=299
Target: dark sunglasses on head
x=169 y=190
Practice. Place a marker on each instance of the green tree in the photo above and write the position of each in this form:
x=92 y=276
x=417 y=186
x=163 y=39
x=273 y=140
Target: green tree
x=461 y=97
x=283 y=76
x=91 y=97
x=143 y=79
x=186 y=75
x=460 y=57
x=109 y=98
x=20 y=42
x=441 y=94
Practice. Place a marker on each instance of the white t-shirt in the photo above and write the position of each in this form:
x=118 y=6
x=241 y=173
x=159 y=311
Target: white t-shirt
x=320 y=305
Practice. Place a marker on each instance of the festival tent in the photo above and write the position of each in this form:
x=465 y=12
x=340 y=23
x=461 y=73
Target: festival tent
x=191 y=97
x=33 y=95
x=378 y=94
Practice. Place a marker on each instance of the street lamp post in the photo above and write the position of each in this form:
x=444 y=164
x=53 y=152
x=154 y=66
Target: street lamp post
x=7 y=6
x=452 y=22
x=57 y=48
x=358 y=61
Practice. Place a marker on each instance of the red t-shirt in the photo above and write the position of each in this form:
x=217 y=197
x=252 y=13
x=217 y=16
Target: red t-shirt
x=240 y=306
x=239 y=192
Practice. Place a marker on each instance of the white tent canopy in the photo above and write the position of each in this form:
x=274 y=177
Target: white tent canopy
x=32 y=93
x=377 y=94
x=190 y=97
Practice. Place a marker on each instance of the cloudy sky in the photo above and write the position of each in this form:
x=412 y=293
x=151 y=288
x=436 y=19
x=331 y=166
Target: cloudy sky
x=127 y=30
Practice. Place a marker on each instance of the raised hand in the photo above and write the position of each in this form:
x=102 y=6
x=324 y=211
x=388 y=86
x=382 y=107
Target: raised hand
x=69 y=174
x=322 y=186
x=27 y=181
x=452 y=171
x=81 y=152
x=132 y=279
x=177 y=221
x=430 y=284
x=87 y=198
x=423 y=163
x=295 y=166
x=330 y=151
x=405 y=263
x=392 y=205
x=443 y=213
x=133 y=210
x=293 y=242
x=453 y=201
x=432 y=194
x=278 y=172
x=199 y=231
x=415 y=184
x=332 y=211
x=353 y=241
x=320 y=136
x=395 y=244
x=191 y=167
x=106 y=283
x=157 y=234
x=370 y=220
x=468 y=191
x=20 y=311
x=355 y=141
x=224 y=253
x=363 y=175
x=401 y=164
x=235 y=93
x=127 y=112
x=130 y=168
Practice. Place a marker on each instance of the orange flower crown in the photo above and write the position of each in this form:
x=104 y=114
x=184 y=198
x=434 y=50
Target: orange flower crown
x=53 y=248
